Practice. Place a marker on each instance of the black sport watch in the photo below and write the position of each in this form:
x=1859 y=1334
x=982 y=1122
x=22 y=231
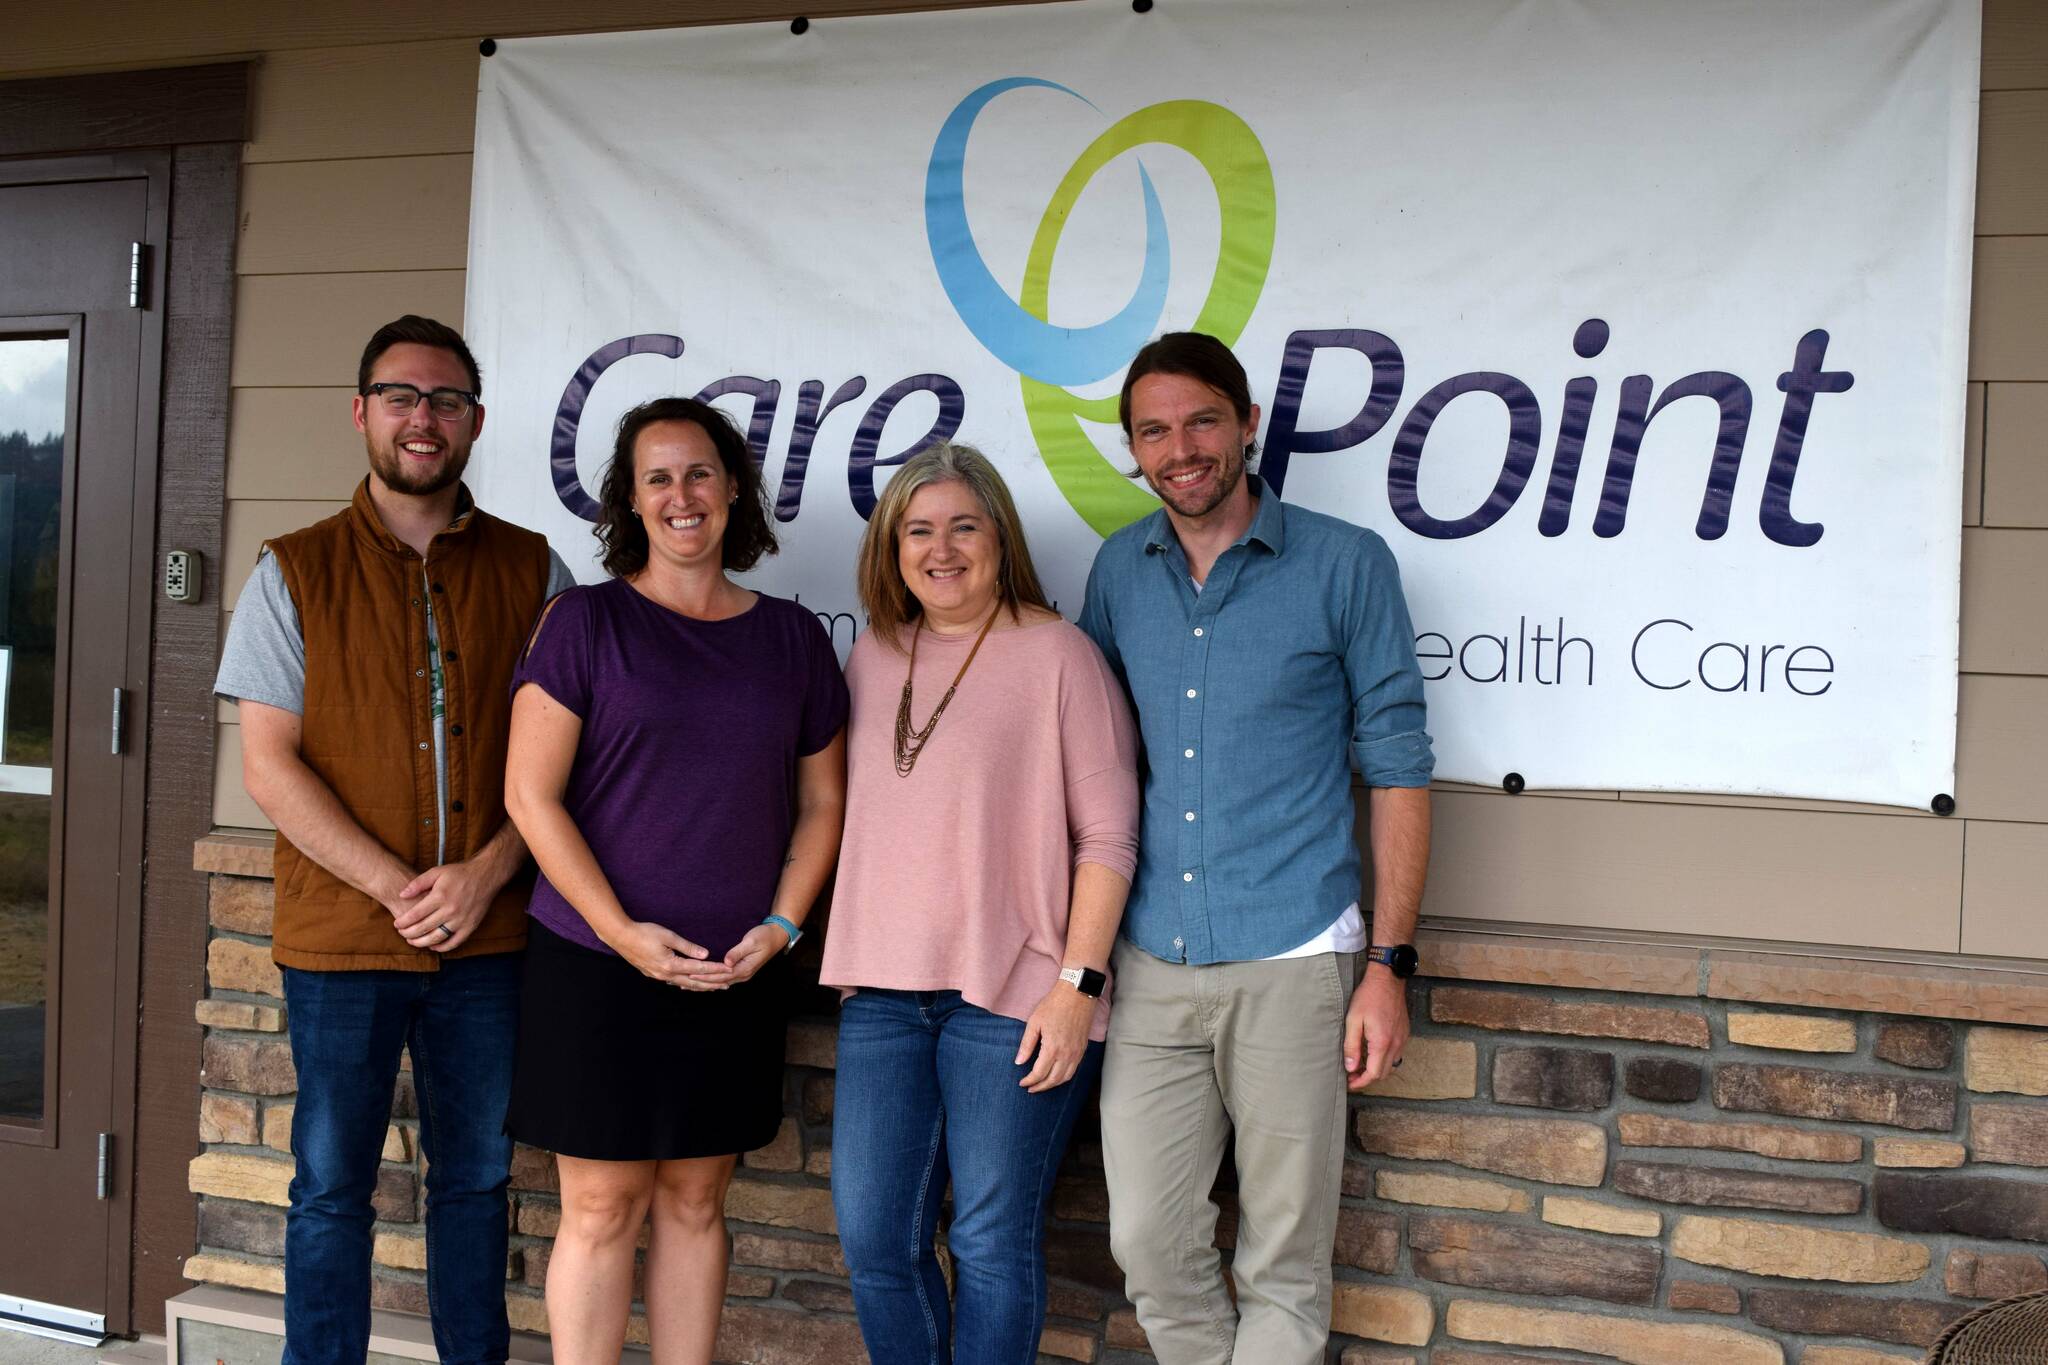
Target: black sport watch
x=1401 y=959
x=1086 y=980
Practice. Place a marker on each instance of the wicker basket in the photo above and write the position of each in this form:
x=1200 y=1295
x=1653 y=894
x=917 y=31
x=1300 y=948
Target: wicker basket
x=2012 y=1331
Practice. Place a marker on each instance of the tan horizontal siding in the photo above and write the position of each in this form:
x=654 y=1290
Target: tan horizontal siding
x=385 y=213
x=2002 y=890
x=2016 y=455
x=2002 y=749
x=304 y=331
x=2015 y=45
x=2005 y=583
x=293 y=443
x=406 y=99
x=2009 y=309
x=2012 y=163
x=1973 y=455
x=1871 y=881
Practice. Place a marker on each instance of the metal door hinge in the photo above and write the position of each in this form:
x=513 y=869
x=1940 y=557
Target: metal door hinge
x=116 y=747
x=106 y=1177
x=138 y=255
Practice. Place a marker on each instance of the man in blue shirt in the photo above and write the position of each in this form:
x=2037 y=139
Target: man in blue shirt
x=1267 y=650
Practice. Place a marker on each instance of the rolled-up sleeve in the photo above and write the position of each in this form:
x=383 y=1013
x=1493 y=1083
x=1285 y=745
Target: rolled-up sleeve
x=1389 y=737
x=1099 y=751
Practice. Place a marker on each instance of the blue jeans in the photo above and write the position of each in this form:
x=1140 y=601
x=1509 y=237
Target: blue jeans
x=927 y=1086
x=346 y=1030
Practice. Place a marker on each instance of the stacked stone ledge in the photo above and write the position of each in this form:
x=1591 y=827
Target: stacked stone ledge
x=1613 y=1177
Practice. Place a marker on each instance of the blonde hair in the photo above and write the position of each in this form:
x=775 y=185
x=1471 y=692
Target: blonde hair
x=889 y=603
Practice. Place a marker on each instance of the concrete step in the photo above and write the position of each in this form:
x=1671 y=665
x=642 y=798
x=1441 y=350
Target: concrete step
x=215 y=1314
x=144 y=1352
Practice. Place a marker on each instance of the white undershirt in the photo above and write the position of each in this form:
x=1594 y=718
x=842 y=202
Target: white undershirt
x=1346 y=935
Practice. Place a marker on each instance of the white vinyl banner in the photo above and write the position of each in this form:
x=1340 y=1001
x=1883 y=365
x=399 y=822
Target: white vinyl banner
x=1637 y=329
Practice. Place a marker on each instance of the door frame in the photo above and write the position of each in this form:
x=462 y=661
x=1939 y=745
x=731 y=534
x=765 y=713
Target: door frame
x=182 y=129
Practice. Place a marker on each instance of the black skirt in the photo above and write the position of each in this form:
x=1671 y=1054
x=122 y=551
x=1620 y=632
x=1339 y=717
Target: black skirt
x=615 y=1066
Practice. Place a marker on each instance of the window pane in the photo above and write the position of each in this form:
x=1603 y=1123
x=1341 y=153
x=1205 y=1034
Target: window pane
x=32 y=402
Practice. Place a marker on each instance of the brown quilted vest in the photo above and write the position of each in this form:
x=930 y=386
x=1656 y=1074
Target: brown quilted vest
x=361 y=595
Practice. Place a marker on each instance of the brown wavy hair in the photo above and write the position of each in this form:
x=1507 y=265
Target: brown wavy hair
x=418 y=331
x=887 y=598
x=749 y=534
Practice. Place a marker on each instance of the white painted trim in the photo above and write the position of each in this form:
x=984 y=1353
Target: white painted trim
x=52 y=1320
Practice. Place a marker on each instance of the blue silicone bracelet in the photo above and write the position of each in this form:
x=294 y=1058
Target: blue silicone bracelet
x=787 y=928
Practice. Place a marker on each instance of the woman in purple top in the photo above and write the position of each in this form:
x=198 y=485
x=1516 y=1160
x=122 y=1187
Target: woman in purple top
x=678 y=767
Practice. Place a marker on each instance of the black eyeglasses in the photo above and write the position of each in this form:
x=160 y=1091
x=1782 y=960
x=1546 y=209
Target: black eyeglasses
x=400 y=399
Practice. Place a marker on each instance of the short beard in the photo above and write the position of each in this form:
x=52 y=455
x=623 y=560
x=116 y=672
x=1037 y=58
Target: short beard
x=1227 y=480
x=391 y=470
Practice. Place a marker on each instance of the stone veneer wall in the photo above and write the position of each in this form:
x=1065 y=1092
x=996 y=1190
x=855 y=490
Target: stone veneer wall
x=1641 y=1176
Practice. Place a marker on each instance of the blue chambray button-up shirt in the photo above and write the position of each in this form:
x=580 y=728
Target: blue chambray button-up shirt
x=1255 y=697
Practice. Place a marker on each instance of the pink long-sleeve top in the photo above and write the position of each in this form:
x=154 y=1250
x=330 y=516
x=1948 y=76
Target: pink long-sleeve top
x=959 y=876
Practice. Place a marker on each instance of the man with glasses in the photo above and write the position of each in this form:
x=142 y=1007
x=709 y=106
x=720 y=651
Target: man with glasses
x=371 y=655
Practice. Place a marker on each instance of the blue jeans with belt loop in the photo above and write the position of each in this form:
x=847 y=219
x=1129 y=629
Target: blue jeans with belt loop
x=927 y=1088
x=347 y=1029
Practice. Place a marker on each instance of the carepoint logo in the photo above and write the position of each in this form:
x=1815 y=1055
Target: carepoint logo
x=1051 y=360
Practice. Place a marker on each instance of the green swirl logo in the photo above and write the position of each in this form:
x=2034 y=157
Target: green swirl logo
x=1049 y=359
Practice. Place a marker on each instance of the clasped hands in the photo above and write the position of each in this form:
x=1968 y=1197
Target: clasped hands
x=666 y=956
x=441 y=907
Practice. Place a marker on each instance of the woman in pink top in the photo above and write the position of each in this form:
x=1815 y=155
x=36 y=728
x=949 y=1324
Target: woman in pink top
x=991 y=833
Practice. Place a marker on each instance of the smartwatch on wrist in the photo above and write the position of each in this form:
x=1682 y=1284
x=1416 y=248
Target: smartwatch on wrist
x=786 y=927
x=1401 y=959
x=1086 y=980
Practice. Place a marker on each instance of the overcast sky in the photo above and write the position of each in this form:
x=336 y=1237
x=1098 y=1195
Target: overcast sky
x=32 y=386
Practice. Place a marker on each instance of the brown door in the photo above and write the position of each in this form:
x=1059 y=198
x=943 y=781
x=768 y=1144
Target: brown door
x=71 y=390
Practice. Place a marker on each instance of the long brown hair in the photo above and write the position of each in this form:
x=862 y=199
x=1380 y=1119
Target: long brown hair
x=889 y=602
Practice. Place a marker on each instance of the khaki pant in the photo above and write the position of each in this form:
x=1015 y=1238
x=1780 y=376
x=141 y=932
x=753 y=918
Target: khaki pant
x=1194 y=1054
